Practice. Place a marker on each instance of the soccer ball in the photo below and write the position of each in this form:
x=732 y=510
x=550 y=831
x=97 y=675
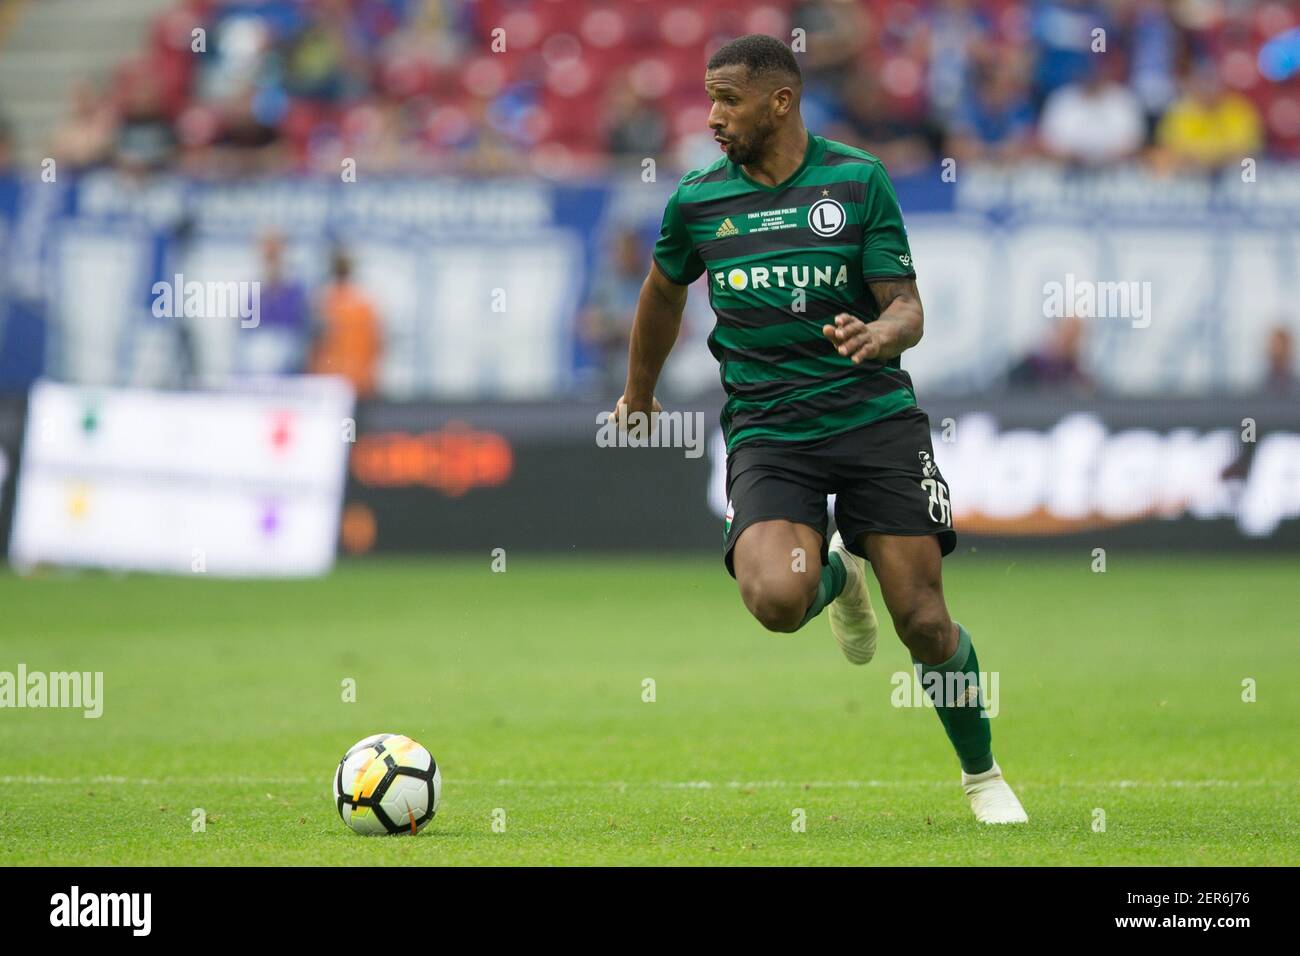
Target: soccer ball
x=387 y=784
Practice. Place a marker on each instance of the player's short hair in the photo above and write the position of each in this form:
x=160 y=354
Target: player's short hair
x=761 y=55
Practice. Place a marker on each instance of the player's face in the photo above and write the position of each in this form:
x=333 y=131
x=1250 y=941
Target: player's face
x=743 y=117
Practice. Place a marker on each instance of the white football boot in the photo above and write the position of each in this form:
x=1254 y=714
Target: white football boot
x=991 y=798
x=853 y=622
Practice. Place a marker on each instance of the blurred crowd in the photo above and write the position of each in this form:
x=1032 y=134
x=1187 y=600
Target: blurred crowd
x=567 y=87
x=335 y=328
x=1059 y=362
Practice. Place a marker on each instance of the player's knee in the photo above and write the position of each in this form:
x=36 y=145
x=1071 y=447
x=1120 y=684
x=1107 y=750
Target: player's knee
x=777 y=605
x=927 y=631
x=777 y=615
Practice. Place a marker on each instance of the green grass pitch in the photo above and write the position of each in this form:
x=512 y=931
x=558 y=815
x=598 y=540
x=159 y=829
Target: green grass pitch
x=1118 y=692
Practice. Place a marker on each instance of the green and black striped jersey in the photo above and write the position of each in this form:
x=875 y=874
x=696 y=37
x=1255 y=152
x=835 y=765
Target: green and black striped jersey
x=782 y=261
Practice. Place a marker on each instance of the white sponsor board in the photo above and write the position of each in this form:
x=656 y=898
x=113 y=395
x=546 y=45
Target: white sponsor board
x=246 y=483
x=1080 y=474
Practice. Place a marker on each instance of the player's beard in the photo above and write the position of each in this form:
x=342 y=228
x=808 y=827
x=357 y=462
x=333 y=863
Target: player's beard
x=750 y=150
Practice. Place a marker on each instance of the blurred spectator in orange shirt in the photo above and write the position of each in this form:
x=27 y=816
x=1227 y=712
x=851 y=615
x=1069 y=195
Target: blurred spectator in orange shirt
x=349 y=341
x=1280 y=377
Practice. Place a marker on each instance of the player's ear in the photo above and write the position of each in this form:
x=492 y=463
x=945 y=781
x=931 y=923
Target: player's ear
x=782 y=100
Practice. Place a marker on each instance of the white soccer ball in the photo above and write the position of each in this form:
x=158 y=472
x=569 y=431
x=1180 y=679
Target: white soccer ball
x=387 y=784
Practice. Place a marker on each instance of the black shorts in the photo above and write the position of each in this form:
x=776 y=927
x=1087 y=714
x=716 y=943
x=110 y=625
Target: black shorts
x=883 y=476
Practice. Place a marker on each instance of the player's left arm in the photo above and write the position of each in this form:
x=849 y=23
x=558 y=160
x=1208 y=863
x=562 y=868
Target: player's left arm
x=900 y=319
x=899 y=326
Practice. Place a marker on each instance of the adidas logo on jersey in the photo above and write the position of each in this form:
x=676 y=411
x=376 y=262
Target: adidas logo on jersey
x=728 y=228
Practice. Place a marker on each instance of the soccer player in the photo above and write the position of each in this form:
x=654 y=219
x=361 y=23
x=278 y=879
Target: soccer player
x=813 y=284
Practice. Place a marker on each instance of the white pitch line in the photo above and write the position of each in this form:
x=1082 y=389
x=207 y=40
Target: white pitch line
x=39 y=780
x=866 y=784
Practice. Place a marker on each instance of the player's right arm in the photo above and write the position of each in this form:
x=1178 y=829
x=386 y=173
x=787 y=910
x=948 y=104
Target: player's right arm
x=659 y=311
x=654 y=331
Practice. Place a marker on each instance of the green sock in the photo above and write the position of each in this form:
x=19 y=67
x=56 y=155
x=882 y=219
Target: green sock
x=966 y=726
x=828 y=588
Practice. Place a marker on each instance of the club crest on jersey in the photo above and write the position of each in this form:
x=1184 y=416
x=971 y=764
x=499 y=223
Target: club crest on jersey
x=826 y=217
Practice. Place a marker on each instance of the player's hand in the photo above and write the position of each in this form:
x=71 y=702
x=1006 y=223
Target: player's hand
x=854 y=338
x=622 y=409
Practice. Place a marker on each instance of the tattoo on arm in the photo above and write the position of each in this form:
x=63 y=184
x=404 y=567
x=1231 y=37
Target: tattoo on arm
x=900 y=309
x=886 y=291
